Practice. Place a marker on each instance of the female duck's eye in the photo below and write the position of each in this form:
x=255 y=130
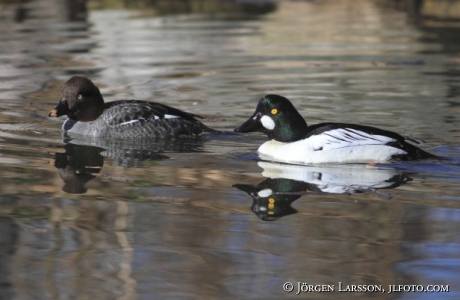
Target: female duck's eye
x=274 y=111
x=80 y=96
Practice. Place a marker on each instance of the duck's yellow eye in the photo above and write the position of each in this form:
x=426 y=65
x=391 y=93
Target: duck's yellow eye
x=274 y=111
x=79 y=96
x=271 y=203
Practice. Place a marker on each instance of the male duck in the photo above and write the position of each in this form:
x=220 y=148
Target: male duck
x=295 y=142
x=88 y=115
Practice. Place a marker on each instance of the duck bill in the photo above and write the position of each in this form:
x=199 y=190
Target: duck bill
x=247 y=188
x=253 y=124
x=61 y=109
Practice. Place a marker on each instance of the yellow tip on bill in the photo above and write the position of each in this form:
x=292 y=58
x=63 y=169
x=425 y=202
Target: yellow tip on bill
x=53 y=113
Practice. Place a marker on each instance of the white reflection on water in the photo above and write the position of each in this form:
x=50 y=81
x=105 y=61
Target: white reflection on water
x=175 y=228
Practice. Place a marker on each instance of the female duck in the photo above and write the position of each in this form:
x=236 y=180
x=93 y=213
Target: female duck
x=295 y=142
x=88 y=115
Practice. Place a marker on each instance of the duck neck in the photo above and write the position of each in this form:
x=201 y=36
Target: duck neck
x=293 y=129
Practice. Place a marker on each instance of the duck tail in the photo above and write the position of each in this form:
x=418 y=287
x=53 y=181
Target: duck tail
x=211 y=131
x=412 y=152
x=207 y=129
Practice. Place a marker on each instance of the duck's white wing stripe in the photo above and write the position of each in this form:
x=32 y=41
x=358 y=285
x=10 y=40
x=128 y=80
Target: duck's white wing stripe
x=129 y=122
x=346 y=137
x=166 y=116
x=171 y=116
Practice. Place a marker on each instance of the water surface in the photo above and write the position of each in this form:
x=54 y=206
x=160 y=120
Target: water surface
x=193 y=219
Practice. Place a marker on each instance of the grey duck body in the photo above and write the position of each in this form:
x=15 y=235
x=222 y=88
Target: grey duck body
x=138 y=119
x=88 y=115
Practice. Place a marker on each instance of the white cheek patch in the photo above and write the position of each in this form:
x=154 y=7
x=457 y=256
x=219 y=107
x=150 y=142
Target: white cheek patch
x=265 y=193
x=267 y=122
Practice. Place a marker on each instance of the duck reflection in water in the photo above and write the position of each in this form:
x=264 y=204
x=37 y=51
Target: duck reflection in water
x=272 y=198
x=77 y=166
x=129 y=151
x=84 y=159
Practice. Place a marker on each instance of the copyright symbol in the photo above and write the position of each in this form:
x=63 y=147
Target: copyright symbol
x=288 y=287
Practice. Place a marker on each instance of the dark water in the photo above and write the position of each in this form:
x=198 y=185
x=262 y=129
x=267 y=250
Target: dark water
x=203 y=218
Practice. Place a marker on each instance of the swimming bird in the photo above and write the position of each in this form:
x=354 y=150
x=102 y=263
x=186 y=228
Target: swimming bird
x=88 y=115
x=292 y=141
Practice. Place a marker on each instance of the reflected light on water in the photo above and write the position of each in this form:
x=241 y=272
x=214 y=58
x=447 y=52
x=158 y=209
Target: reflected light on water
x=187 y=218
